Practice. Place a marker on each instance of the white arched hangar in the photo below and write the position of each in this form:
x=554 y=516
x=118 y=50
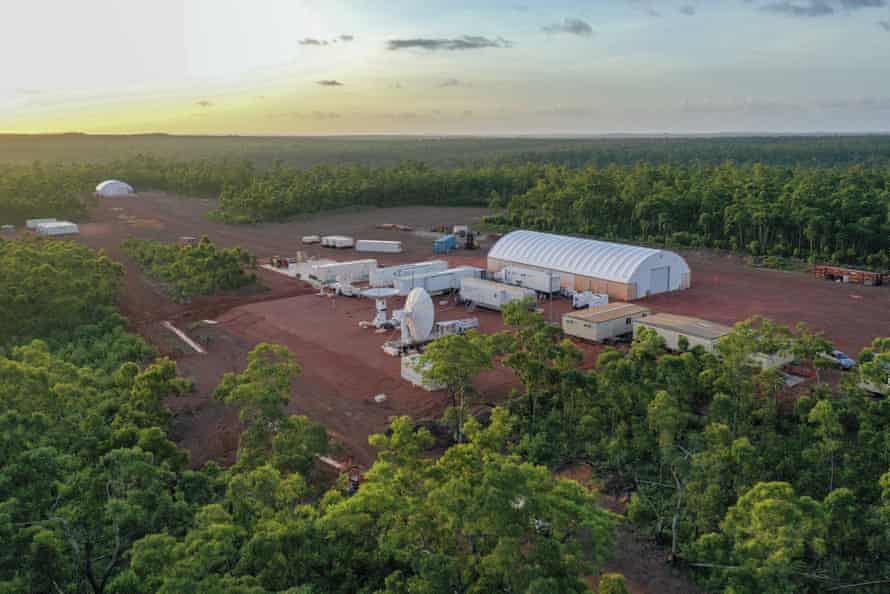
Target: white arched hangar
x=112 y=188
x=625 y=272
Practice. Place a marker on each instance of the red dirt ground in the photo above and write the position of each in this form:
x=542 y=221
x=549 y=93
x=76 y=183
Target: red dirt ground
x=343 y=365
x=725 y=290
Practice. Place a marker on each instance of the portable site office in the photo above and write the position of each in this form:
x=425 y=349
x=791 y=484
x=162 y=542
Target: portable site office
x=696 y=331
x=603 y=322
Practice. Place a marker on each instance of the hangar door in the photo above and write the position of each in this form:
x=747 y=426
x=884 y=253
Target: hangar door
x=660 y=280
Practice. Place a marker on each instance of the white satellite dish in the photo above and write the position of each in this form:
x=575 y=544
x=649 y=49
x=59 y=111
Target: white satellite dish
x=418 y=316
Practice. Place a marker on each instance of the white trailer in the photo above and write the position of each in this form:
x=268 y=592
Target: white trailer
x=380 y=246
x=492 y=295
x=542 y=281
x=32 y=223
x=58 y=228
x=311 y=239
x=436 y=282
x=413 y=371
x=337 y=241
x=385 y=276
x=354 y=271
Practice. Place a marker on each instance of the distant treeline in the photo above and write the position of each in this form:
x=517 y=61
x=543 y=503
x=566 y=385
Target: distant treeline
x=387 y=151
x=837 y=213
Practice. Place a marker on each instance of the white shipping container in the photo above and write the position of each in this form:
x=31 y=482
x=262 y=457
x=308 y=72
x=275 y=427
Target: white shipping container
x=354 y=271
x=58 y=228
x=374 y=245
x=32 y=223
x=337 y=241
x=311 y=239
x=492 y=295
x=543 y=281
x=436 y=282
x=385 y=276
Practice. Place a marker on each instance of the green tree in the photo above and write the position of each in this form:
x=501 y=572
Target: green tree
x=455 y=361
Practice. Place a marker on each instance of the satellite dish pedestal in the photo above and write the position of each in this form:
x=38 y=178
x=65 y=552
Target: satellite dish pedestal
x=379 y=295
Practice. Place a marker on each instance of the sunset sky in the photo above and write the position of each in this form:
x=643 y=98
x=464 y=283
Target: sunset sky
x=454 y=67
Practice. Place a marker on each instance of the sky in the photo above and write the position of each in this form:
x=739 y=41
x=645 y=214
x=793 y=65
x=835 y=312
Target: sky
x=511 y=67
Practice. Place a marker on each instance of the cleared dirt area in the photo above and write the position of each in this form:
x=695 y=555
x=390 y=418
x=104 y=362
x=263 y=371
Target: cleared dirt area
x=725 y=290
x=343 y=364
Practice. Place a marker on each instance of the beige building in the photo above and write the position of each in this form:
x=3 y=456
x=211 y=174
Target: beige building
x=602 y=322
x=671 y=327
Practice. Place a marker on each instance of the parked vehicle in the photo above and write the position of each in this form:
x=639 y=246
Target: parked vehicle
x=841 y=359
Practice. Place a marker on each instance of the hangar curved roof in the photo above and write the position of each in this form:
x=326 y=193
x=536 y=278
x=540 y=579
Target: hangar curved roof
x=615 y=262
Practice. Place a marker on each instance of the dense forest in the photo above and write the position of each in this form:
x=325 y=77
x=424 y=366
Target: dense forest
x=752 y=490
x=839 y=214
x=187 y=270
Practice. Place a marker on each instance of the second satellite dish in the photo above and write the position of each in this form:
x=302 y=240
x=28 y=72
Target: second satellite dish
x=419 y=315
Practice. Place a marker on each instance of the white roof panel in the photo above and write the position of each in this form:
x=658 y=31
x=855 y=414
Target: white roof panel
x=573 y=255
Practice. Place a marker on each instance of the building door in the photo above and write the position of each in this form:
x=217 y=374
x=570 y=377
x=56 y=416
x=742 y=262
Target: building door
x=660 y=280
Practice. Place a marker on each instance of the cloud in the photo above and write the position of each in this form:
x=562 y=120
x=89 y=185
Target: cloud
x=645 y=6
x=453 y=82
x=204 y=103
x=687 y=9
x=312 y=41
x=346 y=38
x=819 y=8
x=329 y=83
x=464 y=42
x=572 y=26
x=885 y=25
x=30 y=91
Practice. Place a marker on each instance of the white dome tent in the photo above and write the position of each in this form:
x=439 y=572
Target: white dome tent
x=624 y=272
x=112 y=188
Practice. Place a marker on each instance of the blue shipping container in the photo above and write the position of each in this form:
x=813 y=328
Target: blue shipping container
x=444 y=244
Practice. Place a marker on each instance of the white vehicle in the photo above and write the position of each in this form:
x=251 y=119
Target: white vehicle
x=492 y=295
x=542 y=281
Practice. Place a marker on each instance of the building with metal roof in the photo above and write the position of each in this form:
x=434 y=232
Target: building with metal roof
x=625 y=272
x=671 y=327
